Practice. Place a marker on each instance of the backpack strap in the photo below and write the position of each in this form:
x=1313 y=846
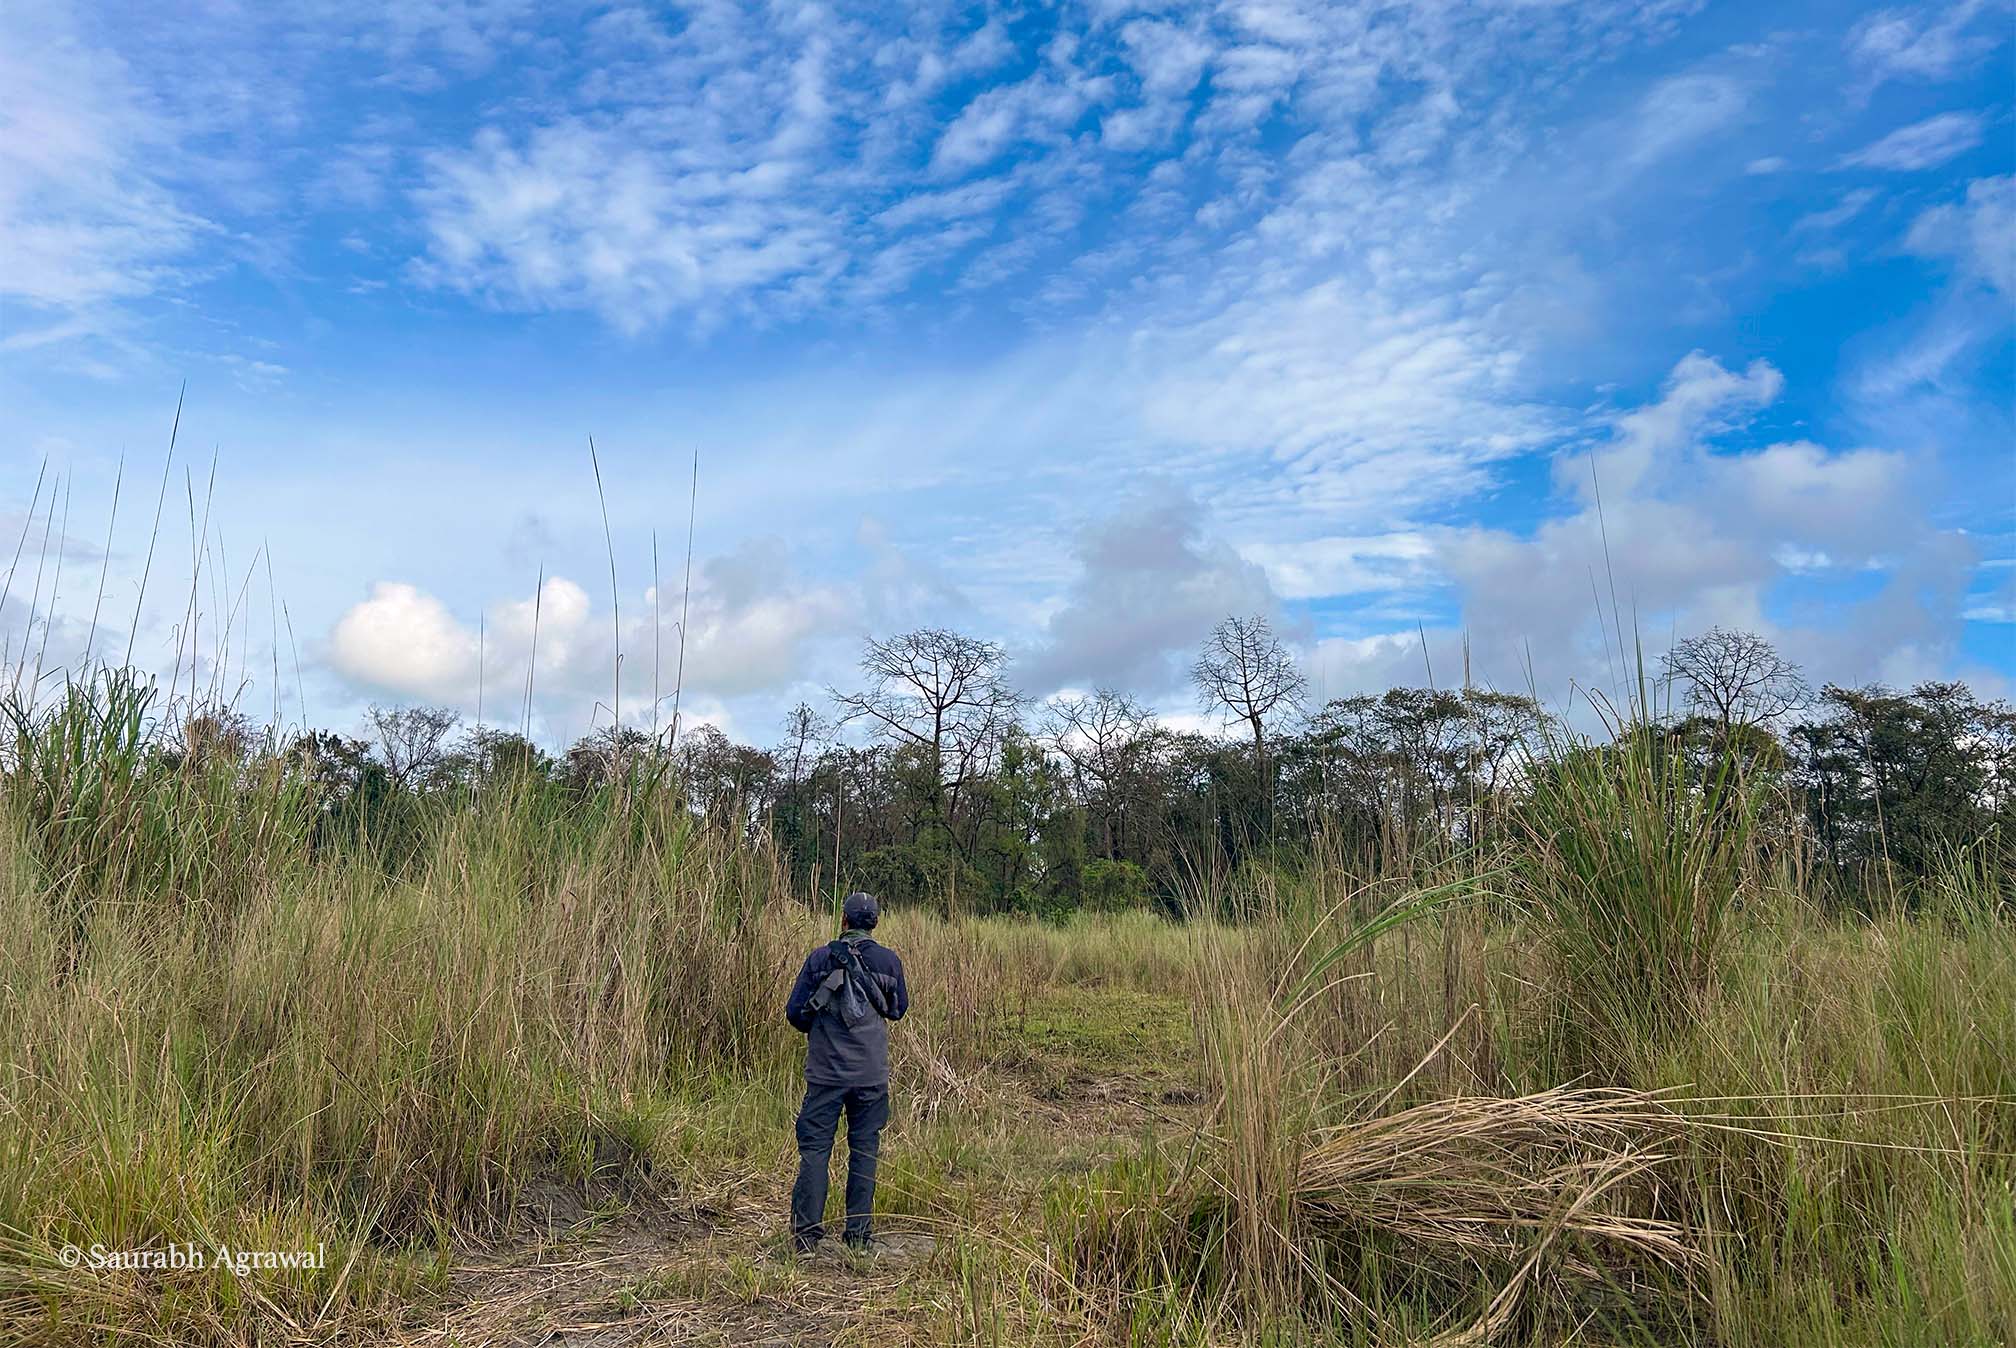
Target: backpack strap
x=847 y=955
x=871 y=986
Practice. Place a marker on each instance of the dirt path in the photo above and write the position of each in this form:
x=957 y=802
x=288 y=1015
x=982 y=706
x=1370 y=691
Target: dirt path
x=703 y=1272
x=710 y=1268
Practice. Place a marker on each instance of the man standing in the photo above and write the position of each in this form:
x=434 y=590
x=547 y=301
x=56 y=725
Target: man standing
x=847 y=993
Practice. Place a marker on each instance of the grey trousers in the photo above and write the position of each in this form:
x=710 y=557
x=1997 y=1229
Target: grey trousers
x=867 y=1109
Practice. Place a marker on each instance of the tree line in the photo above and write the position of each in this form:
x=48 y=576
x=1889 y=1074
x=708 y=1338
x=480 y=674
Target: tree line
x=932 y=779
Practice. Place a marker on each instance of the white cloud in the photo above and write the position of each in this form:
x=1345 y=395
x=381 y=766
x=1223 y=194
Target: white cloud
x=1700 y=399
x=1929 y=43
x=84 y=215
x=751 y=630
x=1340 y=329
x=1687 y=536
x=1041 y=108
x=147 y=149
x=975 y=198
x=405 y=641
x=578 y=217
x=1841 y=502
x=1979 y=234
x=1370 y=404
x=1151 y=585
x=1840 y=213
x=1918 y=377
x=1324 y=567
x=1801 y=561
x=1168 y=59
x=1921 y=145
x=1682 y=111
x=776 y=164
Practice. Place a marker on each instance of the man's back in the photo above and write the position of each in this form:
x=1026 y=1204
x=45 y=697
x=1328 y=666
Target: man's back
x=836 y=1053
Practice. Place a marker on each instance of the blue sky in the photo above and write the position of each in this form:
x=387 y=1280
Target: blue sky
x=1078 y=327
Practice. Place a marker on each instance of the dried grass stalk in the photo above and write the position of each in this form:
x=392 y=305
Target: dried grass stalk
x=1558 y=1189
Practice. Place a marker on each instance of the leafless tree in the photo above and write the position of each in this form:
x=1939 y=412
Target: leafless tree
x=1245 y=669
x=605 y=757
x=412 y=741
x=1737 y=678
x=940 y=692
x=1103 y=737
x=805 y=731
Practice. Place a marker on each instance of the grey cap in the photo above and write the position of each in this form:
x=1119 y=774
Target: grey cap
x=860 y=911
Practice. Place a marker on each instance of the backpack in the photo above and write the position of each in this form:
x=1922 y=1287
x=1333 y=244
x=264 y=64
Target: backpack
x=848 y=988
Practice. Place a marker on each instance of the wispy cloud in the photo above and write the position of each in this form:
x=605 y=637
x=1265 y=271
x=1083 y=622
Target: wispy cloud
x=1932 y=42
x=779 y=169
x=84 y=215
x=1921 y=145
x=1682 y=111
x=578 y=217
x=1840 y=213
x=1978 y=233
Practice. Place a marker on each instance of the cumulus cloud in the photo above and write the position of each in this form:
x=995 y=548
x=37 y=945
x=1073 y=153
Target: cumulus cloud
x=1840 y=502
x=1151 y=584
x=1701 y=398
x=1921 y=145
x=750 y=631
x=405 y=641
x=1688 y=534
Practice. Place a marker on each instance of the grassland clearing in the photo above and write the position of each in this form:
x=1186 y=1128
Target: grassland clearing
x=527 y=1081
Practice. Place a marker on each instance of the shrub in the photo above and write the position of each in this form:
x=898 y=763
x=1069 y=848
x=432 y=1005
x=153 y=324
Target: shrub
x=1114 y=886
x=920 y=873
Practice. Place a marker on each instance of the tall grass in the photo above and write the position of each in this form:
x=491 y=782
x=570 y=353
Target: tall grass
x=1662 y=1098
x=1631 y=866
x=215 y=1028
x=1624 y=1079
x=226 y=1024
x=105 y=810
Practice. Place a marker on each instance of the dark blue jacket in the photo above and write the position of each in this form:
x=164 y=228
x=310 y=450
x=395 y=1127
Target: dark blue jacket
x=837 y=1054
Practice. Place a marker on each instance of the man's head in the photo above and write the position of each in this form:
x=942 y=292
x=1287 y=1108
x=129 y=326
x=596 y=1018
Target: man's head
x=860 y=912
